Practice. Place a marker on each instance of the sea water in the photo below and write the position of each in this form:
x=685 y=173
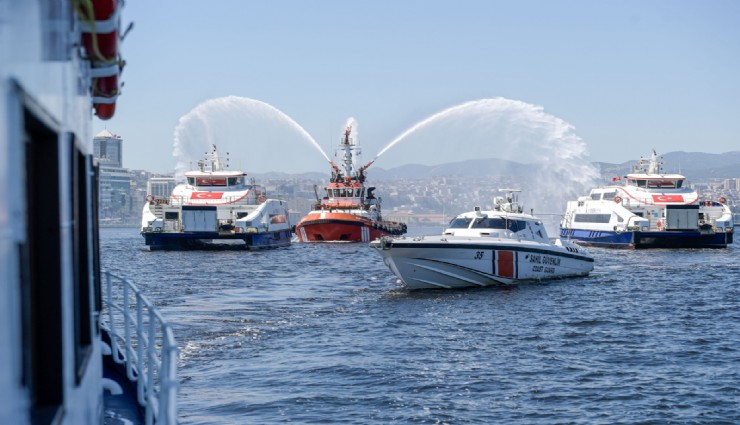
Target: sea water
x=324 y=333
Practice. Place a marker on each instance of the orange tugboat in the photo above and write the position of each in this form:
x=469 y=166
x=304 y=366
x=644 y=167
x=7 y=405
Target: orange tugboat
x=349 y=211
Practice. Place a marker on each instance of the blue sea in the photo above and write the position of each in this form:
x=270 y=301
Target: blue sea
x=324 y=333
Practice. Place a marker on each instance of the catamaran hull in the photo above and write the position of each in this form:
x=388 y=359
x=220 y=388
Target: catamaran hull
x=428 y=265
x=205 y=240
x=339 y=227
x=641 y=240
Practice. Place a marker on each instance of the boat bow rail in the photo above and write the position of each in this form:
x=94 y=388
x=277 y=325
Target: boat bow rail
x=144 y=344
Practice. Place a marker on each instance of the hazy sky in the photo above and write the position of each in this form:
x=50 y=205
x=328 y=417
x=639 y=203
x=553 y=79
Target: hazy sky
x=627 y=75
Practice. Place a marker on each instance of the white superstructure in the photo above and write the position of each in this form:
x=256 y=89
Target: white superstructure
x=501 y=246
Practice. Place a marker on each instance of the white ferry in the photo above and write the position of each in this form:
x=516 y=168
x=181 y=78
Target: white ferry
x=502 y=246
x=70 y=354
x=650 y=210
x=215 y=206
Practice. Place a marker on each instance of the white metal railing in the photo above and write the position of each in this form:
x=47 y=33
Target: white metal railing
x=144 y=343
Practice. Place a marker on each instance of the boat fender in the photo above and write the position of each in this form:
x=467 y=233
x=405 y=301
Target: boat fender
x=618 y=199
x=149 y=198
x=659 y=224
x=262 y=198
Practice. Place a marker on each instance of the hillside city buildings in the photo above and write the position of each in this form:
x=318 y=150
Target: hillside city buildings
x=414 y=201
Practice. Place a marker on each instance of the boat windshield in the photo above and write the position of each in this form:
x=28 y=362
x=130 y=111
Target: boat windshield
x=499 y=223
x=460 y=223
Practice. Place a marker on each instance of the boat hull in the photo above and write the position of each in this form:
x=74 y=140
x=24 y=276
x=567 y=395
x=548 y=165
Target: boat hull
x=445 y=263
x=205 y=240
x=338 y=227
x=643 y=240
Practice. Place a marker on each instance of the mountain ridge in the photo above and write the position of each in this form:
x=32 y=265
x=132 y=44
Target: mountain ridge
x=693 y=165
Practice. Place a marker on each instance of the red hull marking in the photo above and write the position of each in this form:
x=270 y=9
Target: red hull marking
x=206 y=195
x=505 y=264
x=667 y=198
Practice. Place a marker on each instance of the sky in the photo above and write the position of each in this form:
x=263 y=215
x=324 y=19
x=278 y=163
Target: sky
x=623 y=77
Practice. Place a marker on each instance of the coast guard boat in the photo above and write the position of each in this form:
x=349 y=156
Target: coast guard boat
x=503 y=246
x=215 y=205
x=73 y=348
x=650 y=210
x=348 y=211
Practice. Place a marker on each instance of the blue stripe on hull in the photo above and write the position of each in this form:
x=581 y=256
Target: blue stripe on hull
x=182 y=241
x=665 y=239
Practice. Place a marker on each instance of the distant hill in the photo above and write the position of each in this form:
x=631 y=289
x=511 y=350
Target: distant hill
x=694 y=165
x=474 y=167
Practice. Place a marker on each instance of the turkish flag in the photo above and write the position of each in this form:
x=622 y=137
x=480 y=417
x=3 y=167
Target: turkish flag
x=668 y=198
x=206 y=195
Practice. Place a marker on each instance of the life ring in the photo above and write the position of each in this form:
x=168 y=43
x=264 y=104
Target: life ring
x=659 y=224
x=618 y=199
x=262 y=198
x=722 y=200
x=149 y=198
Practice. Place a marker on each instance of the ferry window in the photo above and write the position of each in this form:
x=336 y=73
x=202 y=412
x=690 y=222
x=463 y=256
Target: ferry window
x=609 y=195
x=595 y=196
x=460 y=223
x=679 y=183
x=79 y=215
x=357 y=192
x=171 y=215
x=210 y=182
x=336 y=193
x=40 y=258
x=663 y=184
x=191 y=181
x=641 y=183
x=592 y=218
x=233 y=181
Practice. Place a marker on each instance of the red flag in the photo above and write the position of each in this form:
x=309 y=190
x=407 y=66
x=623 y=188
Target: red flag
x=206 y=195
x=668 y=198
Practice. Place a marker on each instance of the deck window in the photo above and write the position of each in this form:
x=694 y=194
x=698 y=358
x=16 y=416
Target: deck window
x=460 y=223
x=592 y=218
x=661 y=184
x=80 y=257
x=609 y=195
x=41 y=269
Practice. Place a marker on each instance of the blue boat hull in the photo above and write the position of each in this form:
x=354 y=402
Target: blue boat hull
x=212 y=240
x=637 y=239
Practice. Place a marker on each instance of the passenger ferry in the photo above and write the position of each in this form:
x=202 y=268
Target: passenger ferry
x=650 y=210
x=501 y=246
x=348 y=211
x=215 y=205
x=72 y=349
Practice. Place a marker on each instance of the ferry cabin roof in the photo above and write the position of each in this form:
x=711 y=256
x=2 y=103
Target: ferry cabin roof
x=665 y=181
x=201 y=179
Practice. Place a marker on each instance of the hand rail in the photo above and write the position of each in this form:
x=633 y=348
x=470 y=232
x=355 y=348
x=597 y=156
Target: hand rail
x=149 y=355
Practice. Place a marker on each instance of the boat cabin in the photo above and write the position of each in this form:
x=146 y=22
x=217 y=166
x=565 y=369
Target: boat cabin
x=222 y=180
x=668 y=181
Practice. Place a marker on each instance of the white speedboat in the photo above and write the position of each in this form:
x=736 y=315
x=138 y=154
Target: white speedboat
x=215 y=206
x=650 y=210
x=502 y=246
x=75 y=348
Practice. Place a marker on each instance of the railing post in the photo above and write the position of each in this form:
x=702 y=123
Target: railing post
x=141 y=384
x=151 y=364
x=127 y=331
